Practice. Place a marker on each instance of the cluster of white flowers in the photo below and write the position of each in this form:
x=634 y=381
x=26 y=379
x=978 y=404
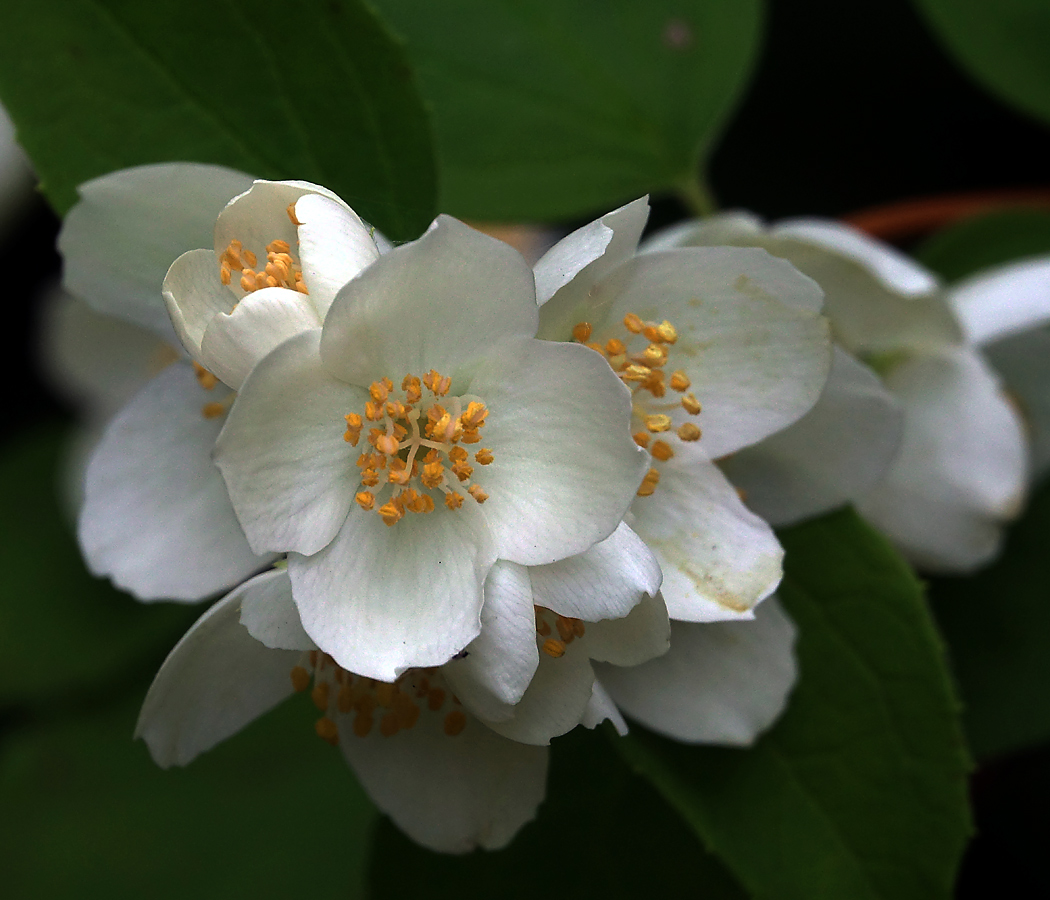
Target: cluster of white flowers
x=467 y=504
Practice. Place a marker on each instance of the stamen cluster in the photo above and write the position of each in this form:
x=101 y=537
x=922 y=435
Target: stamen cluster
x=567 y=627
x=644 y=373
x=406 y=426
x=281 y=269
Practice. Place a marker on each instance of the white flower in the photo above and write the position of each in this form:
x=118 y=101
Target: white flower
x=454 y=754
x=423 y=433
x=960 y=471
x=721 y=348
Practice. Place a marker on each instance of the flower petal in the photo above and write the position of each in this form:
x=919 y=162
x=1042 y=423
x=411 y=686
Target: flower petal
x=334 y=246
x=216 y=680
x=382 y=599
x=756 y=362
x=720 y=683
x=640 y=636
x=1003 y=301
x=500 y=662
x=436 y=303
x=234 y=342
x=605 y=582
x=450 y=794
x=831 y=456
x=290 y=474
x=569 y=271
x=194 y=296
x=1023 y=361
x=601 y=708
x=565 y=466
x=962 y=464
x=718 y=558
x=118 y=241
x=156 y=517
x=269 y=613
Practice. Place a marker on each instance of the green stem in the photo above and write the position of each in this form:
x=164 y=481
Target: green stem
x=695 y=193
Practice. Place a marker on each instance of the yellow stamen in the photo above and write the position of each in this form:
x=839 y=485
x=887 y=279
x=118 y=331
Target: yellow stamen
x=582 y=332
x=662 y=451
x=633 y=324
x=327 y=731
x=680 y=381
x=300 y=679
x=691 y=405
x=658 y=423
x=455 y=722
x=554 y=648
x=688 y=432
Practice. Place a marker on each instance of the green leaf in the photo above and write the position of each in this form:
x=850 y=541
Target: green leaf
x=273 y=812
x=551 y=110
x=859 y=792
x=997 y=624
x=62 y=631
x=316 y=90
x=602 y=833
x=984 y=241
x=1002 y=44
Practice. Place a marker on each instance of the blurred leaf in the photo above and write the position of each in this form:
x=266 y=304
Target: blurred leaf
x=552 y=110
x=273 y=812
x=1002 y=44
x=859 y=792
x=997 y=624
x=317 y=91
x=602 y=833
x=61 y=630
x=985 y=241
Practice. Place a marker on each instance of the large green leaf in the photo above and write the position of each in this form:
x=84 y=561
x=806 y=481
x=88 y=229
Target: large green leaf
x=859 y=792
x=62 y=632
x=984 y=241
x=1002 y=44
x=272 y=812
x=602 y=834
x=314 y=90
x=546 y=110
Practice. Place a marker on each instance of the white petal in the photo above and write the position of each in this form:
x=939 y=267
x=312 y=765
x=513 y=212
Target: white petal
x=156 y=516
x=757 y=362
x=269 y=614
x=605 y=582
x=290 y=474
x=569 y=271
x=831 y=456
x=1003 y=301
x=961 y=468
x=720 y=683
x=234 y=342
x=1023 y=361
x=436 y=303
x=566 y=467
x=382 y=599
x=334 y=246
x=118 y=241
x=194 y=296
x=601 y=708
x=450 y=794
x=640 y=636
x=216 y=680
x=718 y=558
x=731 y=228
x=500 y=662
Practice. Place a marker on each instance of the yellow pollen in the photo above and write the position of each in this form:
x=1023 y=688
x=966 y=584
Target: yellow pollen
x=633 y=323
x=390 y=514
x=300 y=679
x=688 y=432
x=581 y=332
x=614 y=347
x=327 y=731
x=453 y=500
x=385 y=694
x=680 y=381
x=565 y=629
x=213 y=410
x=649 y=483
x=388 y=725
x=667 y=332
x=641 y=438
x=319 y=695
x=455 y=722
x=362 y=724
x=204 y=377
x=654 y=355
x=637 y=373
x=662 y=451
x=477 y=493
x=365 y=499
x=435 y=699
x=483 y=457
x=658 y=423
x=691 y=405
x=578 y=628
x=554 y=648
x=344 y=702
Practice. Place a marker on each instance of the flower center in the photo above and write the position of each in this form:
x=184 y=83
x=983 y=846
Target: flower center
x=281 y=269
x=644 y=372
x=358 y=702
x=416 y=447
x=568 y=629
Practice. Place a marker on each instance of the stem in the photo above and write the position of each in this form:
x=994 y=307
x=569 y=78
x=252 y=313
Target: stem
x=696 y=195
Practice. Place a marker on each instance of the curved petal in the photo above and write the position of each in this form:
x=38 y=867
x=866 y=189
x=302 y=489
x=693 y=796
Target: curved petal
x=436 y=303
x=640 y=636
x=605 y=582
x=566 y=467
x=269 y=613
x=334 y=246
x=234 y=342
x=568 y=272
x=290 y=474
x=601 y=708
x=156 y=517
x=1003 y=301
x=194 y=296
x=381 y=599
x=1023 y=361
x=216 y=680
x=962 y=465
x=118 y=241
x=757 y=359
x=718 y=558
x=499 y=663
x=831 y=456
x=730 y=228
x=720 y=683
x=450 y=794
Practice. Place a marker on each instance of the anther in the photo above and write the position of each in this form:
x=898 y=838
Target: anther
x=455 y=722
x=581 y=332
x=614 y=347
x=362 y=724
x=435 y=699
x=366 y=499
x=641 y=438
x=483 y=457
x=657 y=423
x=688 y=432
x=327 y=730
x=388 y=725
x=385 y=694
x=680 y=381
x=564 y=626
x=319 y=695
x=649 y=483
x=668 y=333
x=633 y=323
x=291 y=214
x=204 y=377
x=691 y=405
x=477 y=493
x=554 y=648
x=662 y=451
x=300 y=679
x=213 y=410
